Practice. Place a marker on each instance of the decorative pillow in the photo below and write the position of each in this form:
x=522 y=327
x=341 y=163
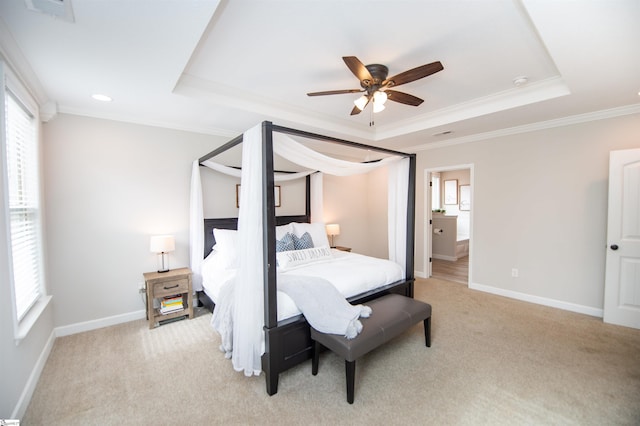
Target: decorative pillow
x=286 y=243
x=303 y=242
x=227 y=247
x=288 y=260
x=317 y=231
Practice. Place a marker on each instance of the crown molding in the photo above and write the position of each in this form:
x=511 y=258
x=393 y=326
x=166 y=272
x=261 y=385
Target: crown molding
x=542 y=125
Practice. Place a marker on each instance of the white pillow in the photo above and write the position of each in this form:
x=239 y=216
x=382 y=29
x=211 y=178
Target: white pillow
x=226 y=247
x=317 y=231
x=213 y=264
x=282 y=230
x=288 y=260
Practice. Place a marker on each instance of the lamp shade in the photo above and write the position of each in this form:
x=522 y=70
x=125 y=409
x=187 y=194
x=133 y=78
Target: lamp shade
x=378 y=107
x=162 y=244
x=379 y=97
x=361 y=102
x=333 y=229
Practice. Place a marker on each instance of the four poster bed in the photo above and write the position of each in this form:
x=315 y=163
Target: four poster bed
x=268 y=333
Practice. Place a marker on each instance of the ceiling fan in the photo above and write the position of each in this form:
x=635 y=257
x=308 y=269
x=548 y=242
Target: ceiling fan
x=376 y=86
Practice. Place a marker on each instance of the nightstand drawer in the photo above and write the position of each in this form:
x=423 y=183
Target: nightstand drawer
x=169 y=288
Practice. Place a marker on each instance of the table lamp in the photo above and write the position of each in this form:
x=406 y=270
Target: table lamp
x=333 y=229
x=162 y=245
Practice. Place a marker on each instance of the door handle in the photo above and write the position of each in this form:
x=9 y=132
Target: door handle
x=614 y=247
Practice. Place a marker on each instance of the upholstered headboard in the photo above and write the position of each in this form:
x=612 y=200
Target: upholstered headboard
x=232 y=223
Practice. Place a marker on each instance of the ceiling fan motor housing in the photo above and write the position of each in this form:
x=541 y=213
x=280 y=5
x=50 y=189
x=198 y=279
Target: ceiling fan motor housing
x=379 y=73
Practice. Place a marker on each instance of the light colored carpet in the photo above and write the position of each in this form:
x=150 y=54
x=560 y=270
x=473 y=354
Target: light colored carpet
x=492 y=361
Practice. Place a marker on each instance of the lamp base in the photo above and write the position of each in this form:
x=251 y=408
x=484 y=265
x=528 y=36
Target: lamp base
x=163 y=262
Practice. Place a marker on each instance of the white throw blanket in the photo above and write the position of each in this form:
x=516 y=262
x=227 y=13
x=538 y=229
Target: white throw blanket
x=324 y=307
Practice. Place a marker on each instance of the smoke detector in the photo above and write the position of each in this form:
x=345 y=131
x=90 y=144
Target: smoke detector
x=60 y=9
x=520 y=81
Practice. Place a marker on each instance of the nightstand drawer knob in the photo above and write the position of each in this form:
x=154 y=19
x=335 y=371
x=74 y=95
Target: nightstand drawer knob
x=170 y=287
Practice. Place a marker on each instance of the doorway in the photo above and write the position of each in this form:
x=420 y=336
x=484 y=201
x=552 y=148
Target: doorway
x=448 y=222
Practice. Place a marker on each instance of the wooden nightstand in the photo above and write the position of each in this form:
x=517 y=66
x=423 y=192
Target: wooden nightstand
x=176 y=282
x=342 y=248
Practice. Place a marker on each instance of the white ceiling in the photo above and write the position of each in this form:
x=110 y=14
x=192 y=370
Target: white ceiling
x=220 y=67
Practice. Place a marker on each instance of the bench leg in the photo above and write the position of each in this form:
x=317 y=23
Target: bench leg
x=350 y=367
x=427 y=332
x=315 y=361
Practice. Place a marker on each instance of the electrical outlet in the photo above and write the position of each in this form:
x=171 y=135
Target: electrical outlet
x=514 y=273
x=141 y=287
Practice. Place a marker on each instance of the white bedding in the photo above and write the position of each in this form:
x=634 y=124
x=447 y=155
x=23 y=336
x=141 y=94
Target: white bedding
x=350 y=273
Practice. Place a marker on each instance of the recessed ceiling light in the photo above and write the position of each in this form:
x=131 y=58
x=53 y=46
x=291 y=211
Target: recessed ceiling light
x=520 y=81
x=103 y=98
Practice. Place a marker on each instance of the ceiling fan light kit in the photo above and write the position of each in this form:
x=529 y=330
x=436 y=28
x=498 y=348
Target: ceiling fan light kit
x=377 y=107
x=376 y=87
x=379 y=97
x=361 y=102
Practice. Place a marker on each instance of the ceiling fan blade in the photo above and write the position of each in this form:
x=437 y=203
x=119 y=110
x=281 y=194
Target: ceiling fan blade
x=403 y=98
x=414 y=74
x=335 y=92
x=358 y=69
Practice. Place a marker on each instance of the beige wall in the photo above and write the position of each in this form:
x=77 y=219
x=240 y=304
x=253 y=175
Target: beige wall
x=345 y=203
x=109 y=186
x=539 y=205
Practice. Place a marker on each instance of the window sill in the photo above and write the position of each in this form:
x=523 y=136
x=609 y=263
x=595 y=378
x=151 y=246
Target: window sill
x=23 y=328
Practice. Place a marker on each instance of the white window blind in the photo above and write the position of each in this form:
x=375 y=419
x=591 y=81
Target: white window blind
x=24 y=203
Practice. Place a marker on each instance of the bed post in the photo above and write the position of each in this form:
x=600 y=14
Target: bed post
x=268 y=227
x=271 y=356
x=307 y=205
x=411 y=219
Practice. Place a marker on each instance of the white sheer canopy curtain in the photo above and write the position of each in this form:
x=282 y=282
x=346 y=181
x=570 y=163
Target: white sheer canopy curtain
x=248 y=306
x=196 y=227
x=398 y=194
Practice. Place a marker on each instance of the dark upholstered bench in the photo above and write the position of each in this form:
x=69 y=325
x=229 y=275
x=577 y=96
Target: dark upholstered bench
x=392 y=315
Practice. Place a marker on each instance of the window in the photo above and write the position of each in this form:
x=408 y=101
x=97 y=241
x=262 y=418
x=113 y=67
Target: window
x=435 y=191
x=20 y=151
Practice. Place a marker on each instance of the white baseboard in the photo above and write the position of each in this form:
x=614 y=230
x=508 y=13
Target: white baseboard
x=419 y=274
x=444 y=257
x=567 y=306
x=99 y=323
x=30 y=387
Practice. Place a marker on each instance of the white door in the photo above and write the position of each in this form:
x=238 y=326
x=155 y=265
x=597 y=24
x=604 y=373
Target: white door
x=622 y=285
